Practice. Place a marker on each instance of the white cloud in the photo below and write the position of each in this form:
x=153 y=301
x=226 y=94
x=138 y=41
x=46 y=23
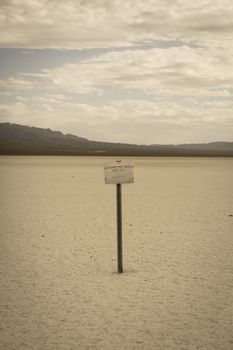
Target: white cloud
x=128 y=121
x=142 y=93
x=176 y=71
x=19 y=84
x=96 y=23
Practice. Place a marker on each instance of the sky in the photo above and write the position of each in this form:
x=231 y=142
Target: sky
x=132 y=71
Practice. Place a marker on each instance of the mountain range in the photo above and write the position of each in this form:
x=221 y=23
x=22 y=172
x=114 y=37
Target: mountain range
x=18 y=139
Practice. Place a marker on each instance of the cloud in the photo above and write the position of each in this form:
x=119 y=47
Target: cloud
x=19 y=84
x=175 y=71
x=135 y=121
x=96 y=23
x=165 y=74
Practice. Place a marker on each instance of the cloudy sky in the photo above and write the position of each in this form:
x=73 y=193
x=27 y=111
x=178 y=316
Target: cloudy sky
x=136 y=71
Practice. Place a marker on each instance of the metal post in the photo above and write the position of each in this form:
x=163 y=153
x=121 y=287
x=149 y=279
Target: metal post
x=119 y=229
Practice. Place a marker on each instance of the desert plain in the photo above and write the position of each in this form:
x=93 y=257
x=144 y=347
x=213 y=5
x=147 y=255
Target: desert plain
x=59 y=286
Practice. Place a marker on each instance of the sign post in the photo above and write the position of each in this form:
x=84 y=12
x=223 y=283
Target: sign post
x=119 y=229
x=119 y=172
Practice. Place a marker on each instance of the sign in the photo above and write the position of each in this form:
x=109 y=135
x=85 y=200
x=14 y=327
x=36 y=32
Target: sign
x=119 y=172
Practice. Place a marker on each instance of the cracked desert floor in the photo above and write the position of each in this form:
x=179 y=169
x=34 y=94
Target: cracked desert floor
x=59 y=289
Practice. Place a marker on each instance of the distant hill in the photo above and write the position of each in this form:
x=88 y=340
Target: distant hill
x=24 y=140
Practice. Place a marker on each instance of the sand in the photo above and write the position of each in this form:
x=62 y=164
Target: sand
x=59 y=285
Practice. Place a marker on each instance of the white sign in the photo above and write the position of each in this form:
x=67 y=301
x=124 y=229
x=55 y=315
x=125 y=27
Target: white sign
x=119 y=172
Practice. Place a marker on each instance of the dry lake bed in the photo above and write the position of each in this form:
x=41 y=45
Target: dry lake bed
x=59 y=288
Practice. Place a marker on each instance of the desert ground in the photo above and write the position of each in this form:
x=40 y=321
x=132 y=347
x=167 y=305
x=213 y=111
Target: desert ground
x=59 y=287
